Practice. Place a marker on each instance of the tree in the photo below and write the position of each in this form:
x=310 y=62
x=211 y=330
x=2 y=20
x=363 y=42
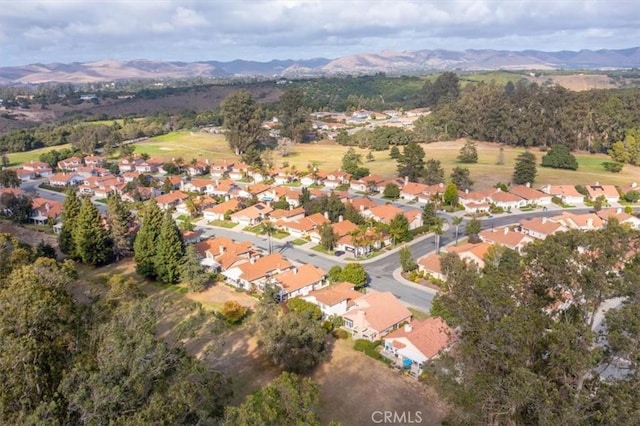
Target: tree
x=90 y=237
x=351 y=161
x=9 y=179
x=433 y=172
x=170 y=251
x=437 y=229
x=429 y=216
x=191 y=270
x=294 y=120
x=391 y=191
x=328 y=238
x=119 y=222
x=335 y=274
x=242 y=121
x=399 y=229
x=619 y=153
x=355 y=274
x=524 y=170
x=394 y=153
x=457 y=221
x=411 y=162
x=70 y=211
x=468 y=152
x=444 y=90
x=300 y=306
x=450 y=196
x=560 y=157
x=16 y=208
x=288 y=400
x=145 y=244
x=462 y=178
x=293 y=341
x=268 y=228
x=407 y=262
x=473 y=228
x=38 y=335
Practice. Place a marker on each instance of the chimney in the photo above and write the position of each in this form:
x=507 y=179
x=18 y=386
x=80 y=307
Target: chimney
x=290 y=207
x=340 y=218
x=221 y=249
x=206 y=161
x=597 y=184
x=466 y=191
x=589 y=222
x=295 y=271
x=406 y=180
x=506 y=230
x=544 y=220
x=408 y=328
x=361 y=207
x=326 y=215
x=634 y=185
x=252 y=260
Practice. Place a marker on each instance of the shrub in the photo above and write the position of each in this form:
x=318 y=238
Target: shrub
x=233 y=311
x=340 y=334
x=613 y=166
x=632 y=196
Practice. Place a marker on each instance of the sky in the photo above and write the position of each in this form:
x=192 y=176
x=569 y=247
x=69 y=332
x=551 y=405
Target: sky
x=48 y=31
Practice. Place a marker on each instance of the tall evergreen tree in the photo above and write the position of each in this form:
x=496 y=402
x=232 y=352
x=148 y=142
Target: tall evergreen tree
x=411 y=162
x=70 y=210
x=191 y=271
x=90 y=237
x=242 y=120
x=170 y=251
x=462 y=178
x=119 y=220
x=524 y=170
x=293 y=116
x=433 y=172
x=145 y=244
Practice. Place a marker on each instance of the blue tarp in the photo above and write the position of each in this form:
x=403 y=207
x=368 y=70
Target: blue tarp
x=407 y=362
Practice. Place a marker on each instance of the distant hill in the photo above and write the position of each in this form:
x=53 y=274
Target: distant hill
x=367 y=63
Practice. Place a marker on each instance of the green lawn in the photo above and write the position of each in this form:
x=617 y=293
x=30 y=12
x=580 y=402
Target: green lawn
x=299 y=242
x=419 y=315
x=223 y=223
x=24 y=157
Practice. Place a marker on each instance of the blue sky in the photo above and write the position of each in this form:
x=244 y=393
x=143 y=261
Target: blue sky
x=46 y=31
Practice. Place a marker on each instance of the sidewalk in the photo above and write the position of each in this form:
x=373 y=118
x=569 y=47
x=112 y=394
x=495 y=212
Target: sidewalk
x=397 y=275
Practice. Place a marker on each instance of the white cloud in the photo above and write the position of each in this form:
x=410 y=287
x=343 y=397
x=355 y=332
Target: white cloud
x=53 y=31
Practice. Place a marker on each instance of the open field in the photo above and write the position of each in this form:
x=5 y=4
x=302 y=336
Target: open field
x=24 y=157
x=328 y=156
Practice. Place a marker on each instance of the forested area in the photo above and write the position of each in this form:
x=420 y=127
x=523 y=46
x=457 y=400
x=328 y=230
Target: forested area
x=551 y=336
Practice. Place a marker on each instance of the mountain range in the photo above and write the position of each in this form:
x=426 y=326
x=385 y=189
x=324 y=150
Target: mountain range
x=390 y=62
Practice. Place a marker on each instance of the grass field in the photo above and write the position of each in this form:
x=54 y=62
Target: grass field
x=24 y=157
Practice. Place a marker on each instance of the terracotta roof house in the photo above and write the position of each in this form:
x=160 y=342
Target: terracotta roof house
x=151 y=165
x=366 y=183
x=412 y=190
x=299 y=281
x=430 y=264
x=336 y=179
x=506 y=200
x=65 y=179
x=585 y=222
x=129 y=164
x=70 y=164
x=363 y=203
x=399 y=182
x=471 y=253
x=504 y=236
x=199 y=168
x=142 y=193
x=94 y=160
x=541 y=227
x=342 y=228
x=289 y=215
x=171 y=199
x=300 y=228
x=43 y=209
x=418 y=342
x=238 y=171
x=431 y=191
x=375 y=315
x=335 y=299
x=609 y=192
x=220 y=168
x=531 y=195
x=222 y=187
x=633 y=186
x=218 y=212
x=42 y=169
x=251 y=215
x=567 y=193
x=256 y=272
x=25 y=175
x=13 y=191
x=220 y=254
x=386 y=212
x=620 y=216
x=196 y=185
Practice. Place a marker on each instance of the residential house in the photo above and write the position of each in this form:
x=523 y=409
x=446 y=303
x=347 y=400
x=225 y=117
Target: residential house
x=299 y=281
x=198 y=168
x=367 y=184
x=220 y=169
x=335 y=299
x=196 y=185
x=251 y=215
x=399 y=182
x=239 y=171
x=362 y=204
x=375 y=315
x=430 y=264
x=218 y=212
x=531 y=196
x=25 y=175
x=471 y=253
x=585 y=222
x=506 y=200
x=94 y=160
x=191 y=237
x=340 y=229
x=288 y=215
x=65 y=179
x=257 y=272
x=567 y=193
x=509 y=238
x=141 y=193
x=149 y=166
x=171 y=199
x=386 y=212
x=412 y=190
x=222 y=187
x=221 y=254
x=129 y=164
x=302 y=227
x=70 y=164
x=609 y=192
x=541 y=227
x=336 y=179
x=415 y=343
x=40 y=168
x=431 y=192
x=619 y=215
x=43 y=209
